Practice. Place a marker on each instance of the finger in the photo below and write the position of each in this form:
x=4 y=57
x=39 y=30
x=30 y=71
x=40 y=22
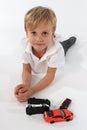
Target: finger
x=21 y=98
x=16 y=90
x=23 y=90
x=18 y=87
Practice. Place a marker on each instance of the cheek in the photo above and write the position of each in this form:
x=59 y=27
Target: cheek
x=49 y=39
x=31 y=40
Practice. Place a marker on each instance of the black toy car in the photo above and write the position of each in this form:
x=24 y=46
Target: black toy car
x=65 y=103
x=37 y=106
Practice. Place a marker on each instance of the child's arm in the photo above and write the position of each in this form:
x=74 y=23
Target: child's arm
x=26 y=78
x=45 y=81
x=26 y=74
x=26 y=91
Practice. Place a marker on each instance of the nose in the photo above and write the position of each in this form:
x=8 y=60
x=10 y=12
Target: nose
x=39 y=38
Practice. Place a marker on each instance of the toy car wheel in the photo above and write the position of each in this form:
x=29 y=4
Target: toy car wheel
x=33 y=98
x=29 y=106
x=68 y=120
x=51 y=122
x=30 y=114
x=44 y=105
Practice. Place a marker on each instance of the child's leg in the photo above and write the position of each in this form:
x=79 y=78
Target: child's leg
x=68 y=43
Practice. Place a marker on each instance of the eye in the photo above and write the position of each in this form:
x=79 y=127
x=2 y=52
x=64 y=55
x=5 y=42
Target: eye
x=33 y=33
x=45 y=33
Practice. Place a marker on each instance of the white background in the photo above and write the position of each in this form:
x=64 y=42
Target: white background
x=70 y=81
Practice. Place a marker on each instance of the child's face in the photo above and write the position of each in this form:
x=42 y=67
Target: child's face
x=40 y=37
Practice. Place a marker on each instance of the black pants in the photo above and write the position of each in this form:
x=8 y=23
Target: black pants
x=65 y=47
x=68 y=43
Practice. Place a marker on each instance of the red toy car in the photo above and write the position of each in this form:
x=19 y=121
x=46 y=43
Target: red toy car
x=58 y=115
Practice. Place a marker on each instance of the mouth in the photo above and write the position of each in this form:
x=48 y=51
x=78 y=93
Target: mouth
x=39 y=44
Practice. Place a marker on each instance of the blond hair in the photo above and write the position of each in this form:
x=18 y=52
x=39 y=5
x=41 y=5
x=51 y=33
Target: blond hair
x=39 y=14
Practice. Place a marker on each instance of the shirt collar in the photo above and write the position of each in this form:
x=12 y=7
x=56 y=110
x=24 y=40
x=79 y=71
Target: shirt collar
x=52 y=48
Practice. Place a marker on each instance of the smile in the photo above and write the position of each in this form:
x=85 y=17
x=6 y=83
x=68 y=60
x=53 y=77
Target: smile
x=39 y=44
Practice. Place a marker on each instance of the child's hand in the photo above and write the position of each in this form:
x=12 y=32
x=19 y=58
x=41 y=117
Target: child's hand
x=23 y=92
x=18 y=88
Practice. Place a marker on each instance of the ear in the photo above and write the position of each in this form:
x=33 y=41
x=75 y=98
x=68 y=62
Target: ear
x=53 y=34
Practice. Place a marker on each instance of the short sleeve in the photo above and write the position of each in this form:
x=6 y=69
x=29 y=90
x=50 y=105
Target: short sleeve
x=25 y=58
x=57 y=60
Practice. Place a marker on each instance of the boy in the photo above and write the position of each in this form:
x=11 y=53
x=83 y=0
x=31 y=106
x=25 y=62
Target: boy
x=43 y=54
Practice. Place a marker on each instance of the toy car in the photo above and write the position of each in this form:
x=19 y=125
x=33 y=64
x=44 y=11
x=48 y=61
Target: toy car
x=58 y=115
x=37 y=106
x=65 y=103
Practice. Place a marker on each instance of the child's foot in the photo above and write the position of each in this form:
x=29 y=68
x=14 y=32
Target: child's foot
x=71 y=41
x=68 y=43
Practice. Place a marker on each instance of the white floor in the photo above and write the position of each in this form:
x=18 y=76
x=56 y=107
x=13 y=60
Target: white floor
x=70 y=81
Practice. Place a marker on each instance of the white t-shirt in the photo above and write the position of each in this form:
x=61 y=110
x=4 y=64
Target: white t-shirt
x=54 y=57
